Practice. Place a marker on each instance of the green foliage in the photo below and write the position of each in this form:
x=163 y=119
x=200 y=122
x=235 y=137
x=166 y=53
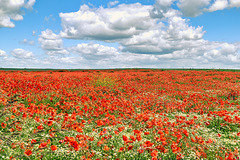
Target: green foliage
x=219 y=125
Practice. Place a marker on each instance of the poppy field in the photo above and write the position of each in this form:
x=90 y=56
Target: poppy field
x=120 y=114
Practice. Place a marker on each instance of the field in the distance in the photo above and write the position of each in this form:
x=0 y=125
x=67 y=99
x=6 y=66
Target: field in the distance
x=120 y=114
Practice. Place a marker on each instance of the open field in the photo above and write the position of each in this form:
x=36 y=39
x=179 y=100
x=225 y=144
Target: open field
x=120 y=114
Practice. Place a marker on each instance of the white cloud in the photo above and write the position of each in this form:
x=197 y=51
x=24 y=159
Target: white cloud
x=164 y=39
x=21 y=53
x=218 y=5
x=11 y=10
x=164 y=5
x=196 y=53
x=112 y=3
x=153 y=38
x=33 y=33
x=106 y=24
x=179 y=29
x=223 y=52
x=67 y=61
x=51 y=43
x=234 y=3
x=48 y=18
x=2 y=53
x=192 y=8
x=30 y=3
x=133 y=60
x=205 y=54
x=162 y=9
x=149 y=36
x=94 y=51
x=28 y=42
x=14 y=62
x=6 y=22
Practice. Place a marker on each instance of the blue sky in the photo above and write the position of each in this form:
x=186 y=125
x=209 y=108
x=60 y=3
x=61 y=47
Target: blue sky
x=120 y=34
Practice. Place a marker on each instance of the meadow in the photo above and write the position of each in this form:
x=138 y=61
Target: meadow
x=120 y=114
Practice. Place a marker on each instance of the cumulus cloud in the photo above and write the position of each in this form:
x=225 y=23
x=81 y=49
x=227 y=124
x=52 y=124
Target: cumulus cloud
x=223 y=52
x=51 y=43
x=164 y=39
x=122 y=21
x=10 y=62
x=94 y=51
x=234 y=3
x=33 y=33
x=29 y=4
x=21 y=53
x=54 y=61
x=159 y=35
x=112 y=3
x=2 y=53
x=218 y=5
x=162 y=9
x=48 y=18
x=11 y=10
x=27 y=42
x=203 y=55
x=148 y=35
x=192 y=8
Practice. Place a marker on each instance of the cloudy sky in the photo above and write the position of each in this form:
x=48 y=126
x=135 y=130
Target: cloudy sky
x=119 y=34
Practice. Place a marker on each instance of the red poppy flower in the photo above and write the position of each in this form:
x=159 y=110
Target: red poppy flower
x=3 y=125
x=28 y=152
x=43 y=145
x=130 y=147
x=121 y=149
x=125 y=138
x=33 y=141
x=50 y=123
x=40 y=127
x=146 y=133
x=132 y=137
x=154 y=153
x=139 y=138
x=106 y=148
x=12 y=130
x=53 y=147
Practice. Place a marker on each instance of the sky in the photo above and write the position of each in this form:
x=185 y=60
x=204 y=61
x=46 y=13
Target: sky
x=90 y=34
